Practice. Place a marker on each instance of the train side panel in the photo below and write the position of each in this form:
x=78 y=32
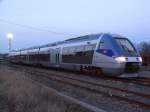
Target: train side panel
x=77 y=55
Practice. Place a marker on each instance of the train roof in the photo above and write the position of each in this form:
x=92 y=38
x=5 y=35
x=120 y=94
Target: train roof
x=72 y=40
x=83 y=38
x=117 y=36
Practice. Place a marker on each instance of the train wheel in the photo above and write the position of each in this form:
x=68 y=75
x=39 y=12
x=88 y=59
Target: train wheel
x=95 y=71
x=99 y=72
x=81 y=69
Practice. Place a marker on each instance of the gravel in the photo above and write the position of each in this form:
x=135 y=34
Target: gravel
x=105 y=102
x=109 y=104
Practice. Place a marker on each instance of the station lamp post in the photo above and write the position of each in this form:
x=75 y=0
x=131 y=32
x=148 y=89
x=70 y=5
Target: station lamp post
x=9 y=37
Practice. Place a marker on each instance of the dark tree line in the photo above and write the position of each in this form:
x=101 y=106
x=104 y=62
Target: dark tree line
x=144 y=48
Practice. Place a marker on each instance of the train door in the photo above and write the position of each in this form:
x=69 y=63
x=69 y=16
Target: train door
x=55 y=56
x=27 y=57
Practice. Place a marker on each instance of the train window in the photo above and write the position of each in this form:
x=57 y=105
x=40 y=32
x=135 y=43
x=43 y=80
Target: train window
x=126 y=45
x=78 y=54
x=33 y=57
x=44 y=57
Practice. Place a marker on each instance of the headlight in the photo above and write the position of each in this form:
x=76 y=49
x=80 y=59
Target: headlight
x=121 y=59
x=140 y=59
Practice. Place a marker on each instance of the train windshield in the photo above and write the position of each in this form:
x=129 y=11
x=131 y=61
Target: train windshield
x=127 y=46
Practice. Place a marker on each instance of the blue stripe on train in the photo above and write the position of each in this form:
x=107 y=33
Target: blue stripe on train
x=106 y=52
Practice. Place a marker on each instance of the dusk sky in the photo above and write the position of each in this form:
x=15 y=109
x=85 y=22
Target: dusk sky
x=37 y=22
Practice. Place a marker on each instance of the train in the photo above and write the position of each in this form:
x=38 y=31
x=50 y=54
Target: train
x=104 y=53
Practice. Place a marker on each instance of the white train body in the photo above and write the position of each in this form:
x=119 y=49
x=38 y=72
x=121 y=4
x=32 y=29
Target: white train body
x=111 y=54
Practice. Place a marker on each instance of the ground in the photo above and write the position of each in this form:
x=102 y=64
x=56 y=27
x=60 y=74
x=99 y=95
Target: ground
x=3 y=100
x=19 y=93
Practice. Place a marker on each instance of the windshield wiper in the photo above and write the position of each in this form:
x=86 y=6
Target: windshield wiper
x=126 y=48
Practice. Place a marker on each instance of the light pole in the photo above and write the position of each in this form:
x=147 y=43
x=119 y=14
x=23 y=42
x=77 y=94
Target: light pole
x=10 y=37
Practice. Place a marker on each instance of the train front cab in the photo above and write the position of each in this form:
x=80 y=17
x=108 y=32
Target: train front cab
x=117 y=56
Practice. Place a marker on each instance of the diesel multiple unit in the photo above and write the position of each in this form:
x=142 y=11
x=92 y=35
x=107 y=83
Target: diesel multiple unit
x=110 y=54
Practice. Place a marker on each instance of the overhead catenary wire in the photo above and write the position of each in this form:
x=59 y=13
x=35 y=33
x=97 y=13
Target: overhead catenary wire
x=33 y=28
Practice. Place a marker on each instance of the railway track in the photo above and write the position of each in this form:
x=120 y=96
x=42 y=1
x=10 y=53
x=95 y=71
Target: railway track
x=142 y=81
x=137 y=98
x=145 y=68
x=2 y=60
